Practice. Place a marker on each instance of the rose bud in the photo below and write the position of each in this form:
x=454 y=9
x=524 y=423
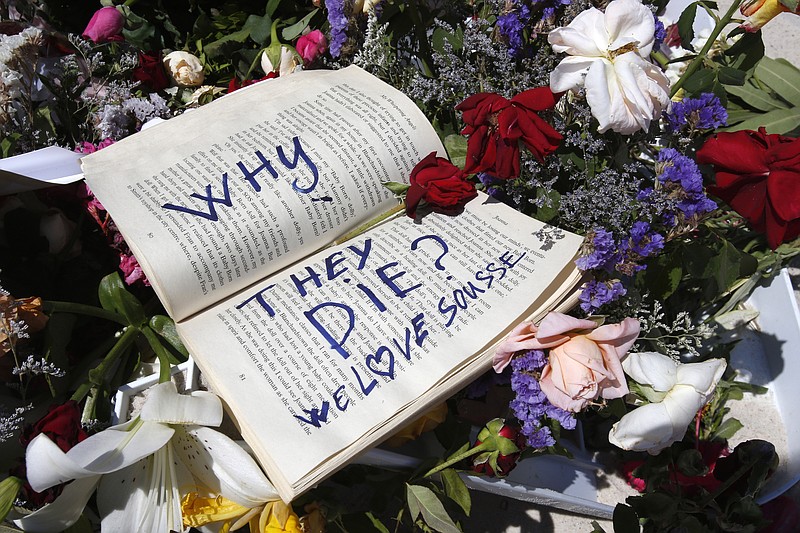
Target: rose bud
x=150 y=71
x=503 y=445
x=185 y=69
x=440 y=184
x=311 y=46
x=282 y=60
x=105 y=25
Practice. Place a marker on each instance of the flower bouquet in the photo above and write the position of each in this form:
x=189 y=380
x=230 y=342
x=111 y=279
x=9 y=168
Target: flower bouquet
x=669 y=143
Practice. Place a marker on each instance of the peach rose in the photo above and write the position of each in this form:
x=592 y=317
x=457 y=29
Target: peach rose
x=584 y=360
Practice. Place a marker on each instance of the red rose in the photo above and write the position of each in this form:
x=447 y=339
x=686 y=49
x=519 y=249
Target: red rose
x=151 y=71
x=758 y=175
x=483 y=463
x=62 y=424
x=440 y=184
x=235 y=85
x=496 y=126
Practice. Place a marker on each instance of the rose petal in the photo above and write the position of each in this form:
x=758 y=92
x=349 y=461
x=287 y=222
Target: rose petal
x=585 y=36
x=629 y=21
x=558 y=323
x=646 y=428
x=651 y=368
x=703 y=377
x=570 y=73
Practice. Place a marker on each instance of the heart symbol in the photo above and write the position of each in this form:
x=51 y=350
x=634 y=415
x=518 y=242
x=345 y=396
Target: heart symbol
x=375 y=359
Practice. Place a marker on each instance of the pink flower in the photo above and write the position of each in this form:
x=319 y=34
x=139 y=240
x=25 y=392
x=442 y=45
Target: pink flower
x=584 y=361
x=105 y=25
x=311 y=45
x=131 y=270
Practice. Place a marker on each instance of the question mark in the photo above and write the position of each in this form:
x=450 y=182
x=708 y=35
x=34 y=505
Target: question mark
x=445 y=249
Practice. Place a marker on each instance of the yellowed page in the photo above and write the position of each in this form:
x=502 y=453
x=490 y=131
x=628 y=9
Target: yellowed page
x=219 y=197
x=328 y=352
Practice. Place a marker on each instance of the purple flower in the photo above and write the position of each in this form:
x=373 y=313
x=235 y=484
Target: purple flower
x=596 y=294
x=697 y=113
x=643 y=241
x=660 y=34
x=339 y=23
x=512 y=26
x=531 y=406
x=681 y=178
x=603 y=254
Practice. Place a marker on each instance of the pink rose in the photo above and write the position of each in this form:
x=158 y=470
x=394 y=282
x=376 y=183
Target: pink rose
x=311 y=45
x=584 y=360
x=105 y=25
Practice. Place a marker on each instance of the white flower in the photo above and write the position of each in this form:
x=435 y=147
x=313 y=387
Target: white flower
x=143 y=468
x=288 y=62
x=608 y=56
x=185 y=69
x=677 y=391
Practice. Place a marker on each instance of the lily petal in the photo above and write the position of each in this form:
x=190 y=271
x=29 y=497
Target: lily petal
x=652 y=368
x=104 y=452
x=223 y=466
x=703 y=377
x=64 y=511
x=165 y=405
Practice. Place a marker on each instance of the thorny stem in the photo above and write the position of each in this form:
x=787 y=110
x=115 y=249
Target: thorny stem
x=460 y=457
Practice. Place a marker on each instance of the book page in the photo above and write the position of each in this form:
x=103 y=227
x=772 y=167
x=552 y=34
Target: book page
x=215 y=199
x=335 y=346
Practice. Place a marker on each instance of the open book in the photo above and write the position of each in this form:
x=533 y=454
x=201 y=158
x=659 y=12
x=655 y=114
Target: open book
x=321 y=350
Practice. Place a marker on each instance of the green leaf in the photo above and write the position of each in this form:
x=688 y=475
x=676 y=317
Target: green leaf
x=456 y=489
x=289 y=33
x=625 y=519
x=398 y=189
x=685 y=23
x=755 y=97
x=114 y=297
x=426 y=502
x=731 y=76
x=456 y=146
x=700 y=81
x=272 y=6
x=259 y=28
x=9 y=488
x=782 y=78
x=215 y=48
x=738 y=115
x=690 y=463
x=791 y=4
x=165 y=327
x=778 y=121
x=724 y=267
x=377 y=523
x=727 y=429
x=747 y=51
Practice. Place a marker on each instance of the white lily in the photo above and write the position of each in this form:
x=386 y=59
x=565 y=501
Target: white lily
x=608 y=56
x=144 y=467
x=677 y=391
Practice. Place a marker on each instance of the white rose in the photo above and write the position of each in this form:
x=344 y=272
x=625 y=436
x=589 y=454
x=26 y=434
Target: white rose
x=608 y=56
x=678 y=392
x=185 y=69
x=289 y=61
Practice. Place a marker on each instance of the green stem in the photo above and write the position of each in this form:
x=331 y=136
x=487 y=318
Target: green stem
x=164 y=366
x=97 y=374
x=698 y=61
x=484 y=446
x=51 y=306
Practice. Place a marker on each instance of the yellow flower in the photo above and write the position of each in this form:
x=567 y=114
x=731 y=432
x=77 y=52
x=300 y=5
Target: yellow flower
x=759 y=12
x=426 y=422
x=272 y=517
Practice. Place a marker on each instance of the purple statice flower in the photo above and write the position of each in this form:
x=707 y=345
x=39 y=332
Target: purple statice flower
x=660 y=34
x=701 y=113
x=512 y=26
x=338 y=21
x=682 y=179
x=603 y=251
x=644 y=241
x=596 y=294
x=492 y=185
x=531 y=405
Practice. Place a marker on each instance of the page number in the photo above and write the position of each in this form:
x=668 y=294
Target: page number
x=242 y=377
x=150 y=235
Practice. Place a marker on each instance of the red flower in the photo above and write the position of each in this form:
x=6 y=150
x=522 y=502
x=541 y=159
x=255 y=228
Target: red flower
x=105 y=25
x=62 y=424
x=151 y=71
x=758 y=175
x=311 y=46
x=235 y=85
x=440 y=184
x=630 y=478
x=483 y=463
x=496 y=126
